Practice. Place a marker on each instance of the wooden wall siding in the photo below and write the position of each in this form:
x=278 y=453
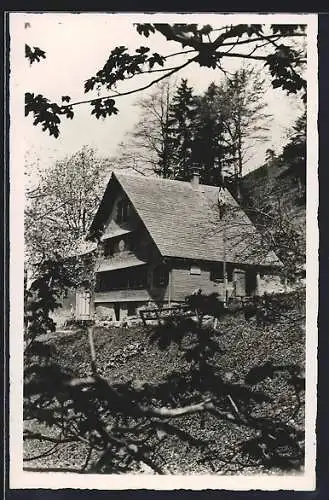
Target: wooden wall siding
x=123 y=295
x=183 y=283
x=105 y=310
x=152 y=294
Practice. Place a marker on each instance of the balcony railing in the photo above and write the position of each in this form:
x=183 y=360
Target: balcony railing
x=120 y=261
x=122 y=295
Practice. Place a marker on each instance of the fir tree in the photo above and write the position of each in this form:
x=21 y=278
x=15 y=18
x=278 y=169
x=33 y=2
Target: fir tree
x=209 y=149
x=181 y=119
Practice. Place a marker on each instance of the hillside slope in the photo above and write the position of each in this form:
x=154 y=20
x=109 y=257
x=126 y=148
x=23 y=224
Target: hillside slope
x=274 y=184
x=137 y=358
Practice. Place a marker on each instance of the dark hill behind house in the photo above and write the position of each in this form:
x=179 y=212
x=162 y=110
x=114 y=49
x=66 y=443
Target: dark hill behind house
x=274 y=184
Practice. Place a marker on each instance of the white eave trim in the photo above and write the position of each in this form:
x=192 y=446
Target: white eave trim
x=108 y=265
x=114 y=233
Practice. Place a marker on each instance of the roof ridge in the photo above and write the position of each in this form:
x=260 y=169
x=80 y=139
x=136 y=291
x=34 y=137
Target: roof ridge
x=162 y=179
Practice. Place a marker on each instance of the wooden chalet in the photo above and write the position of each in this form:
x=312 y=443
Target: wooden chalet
x=162 y=239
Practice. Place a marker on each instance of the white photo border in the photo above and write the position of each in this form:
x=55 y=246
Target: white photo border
x=20 y=479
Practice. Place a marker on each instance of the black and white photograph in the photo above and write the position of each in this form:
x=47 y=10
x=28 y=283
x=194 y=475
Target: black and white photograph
x=163 y=250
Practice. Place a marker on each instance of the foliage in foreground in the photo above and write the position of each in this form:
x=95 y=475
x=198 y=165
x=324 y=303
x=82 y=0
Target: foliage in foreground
x=124 y=424
x=272 y=45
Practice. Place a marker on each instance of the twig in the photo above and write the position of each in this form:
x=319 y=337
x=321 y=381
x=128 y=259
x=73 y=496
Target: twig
x=53 y=469
x=43 y=437
x=134 y=408
x=92 y=350
x=235 y=408
x=145 y=87
x=50 y=451
x=85 y=465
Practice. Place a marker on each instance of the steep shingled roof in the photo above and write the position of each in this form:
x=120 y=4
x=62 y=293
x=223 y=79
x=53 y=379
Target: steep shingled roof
x=184 y=220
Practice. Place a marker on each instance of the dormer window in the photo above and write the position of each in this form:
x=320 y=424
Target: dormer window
x=122 y=211
x=108 y=249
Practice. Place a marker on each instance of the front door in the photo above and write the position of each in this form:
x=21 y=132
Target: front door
x=82 y=306
x=117 y=311
x=251 y=283
x=239 y=278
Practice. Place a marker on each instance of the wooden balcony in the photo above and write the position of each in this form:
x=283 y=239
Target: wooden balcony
x=121 y=261
x=123 y=296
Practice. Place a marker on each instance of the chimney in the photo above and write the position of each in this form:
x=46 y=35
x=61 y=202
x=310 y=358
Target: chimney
x=195 y=181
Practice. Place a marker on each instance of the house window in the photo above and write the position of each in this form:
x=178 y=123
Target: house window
x=195 y=270
x=103 y=282
x=160 y=276
x=217 y=272
x=122 y=279
x=131 y=309
x=122 y=211
x=137 y=278
x=108 y=248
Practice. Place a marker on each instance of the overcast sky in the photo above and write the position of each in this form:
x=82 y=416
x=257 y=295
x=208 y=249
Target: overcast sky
x=77 y=45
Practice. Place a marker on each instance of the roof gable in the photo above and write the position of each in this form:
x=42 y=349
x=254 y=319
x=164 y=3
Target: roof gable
x=185 y=221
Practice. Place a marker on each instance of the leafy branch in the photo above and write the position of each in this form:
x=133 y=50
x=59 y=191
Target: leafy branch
x=34 y=54
x=46 y=113
x=122 y=66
